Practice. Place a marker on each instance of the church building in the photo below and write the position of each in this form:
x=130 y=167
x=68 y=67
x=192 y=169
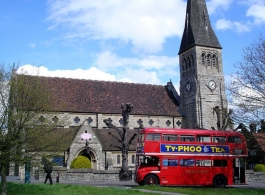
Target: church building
x=89 y=102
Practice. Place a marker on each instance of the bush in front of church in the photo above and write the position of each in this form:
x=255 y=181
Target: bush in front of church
x=80 y=162
x=259 y=168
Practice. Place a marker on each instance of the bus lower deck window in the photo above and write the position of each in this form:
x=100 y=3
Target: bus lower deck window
x=220 y=163
x=187 y=162
x=203 y=163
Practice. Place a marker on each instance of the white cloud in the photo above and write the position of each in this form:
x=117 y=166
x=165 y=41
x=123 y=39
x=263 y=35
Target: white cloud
x=109 y=60
x=91 y=73
x=214 y=5
x=110 y=67
x=257 y=11
x=146 y=24
x=141 y=75
x=223 y=24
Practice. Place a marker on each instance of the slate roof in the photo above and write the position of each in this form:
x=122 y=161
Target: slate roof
x=195 y=31
x=108 y=142
x=260 y=137
x=58 y=139
x=90 y=96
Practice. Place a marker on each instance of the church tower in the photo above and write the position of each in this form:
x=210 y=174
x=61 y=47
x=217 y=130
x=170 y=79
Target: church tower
x=202 y=88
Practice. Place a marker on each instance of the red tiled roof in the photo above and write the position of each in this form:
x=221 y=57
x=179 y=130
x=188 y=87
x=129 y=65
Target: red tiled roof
x=260 y=137
x=89 y=96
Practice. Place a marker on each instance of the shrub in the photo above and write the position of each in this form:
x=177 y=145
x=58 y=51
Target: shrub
x=80 y=162
x=259 y=168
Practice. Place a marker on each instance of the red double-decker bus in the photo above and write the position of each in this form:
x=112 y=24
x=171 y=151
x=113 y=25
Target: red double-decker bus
x=190 y=157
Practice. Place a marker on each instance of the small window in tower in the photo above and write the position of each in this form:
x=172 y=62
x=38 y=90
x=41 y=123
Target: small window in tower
x=208 y=60
x=214 y=61
x=203 y=59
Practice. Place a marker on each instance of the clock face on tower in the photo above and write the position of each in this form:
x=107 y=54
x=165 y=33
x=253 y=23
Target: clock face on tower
x=212 y=85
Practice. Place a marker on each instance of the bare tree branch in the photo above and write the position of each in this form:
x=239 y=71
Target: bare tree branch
x=247 y=86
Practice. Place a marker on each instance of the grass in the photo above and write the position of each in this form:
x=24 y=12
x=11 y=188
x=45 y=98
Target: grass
x=207 y=190
x=64 y=189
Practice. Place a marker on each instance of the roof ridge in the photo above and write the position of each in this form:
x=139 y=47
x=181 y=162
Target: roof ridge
x=119 y=82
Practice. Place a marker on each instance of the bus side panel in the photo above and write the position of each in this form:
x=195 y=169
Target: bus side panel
x=169 y=175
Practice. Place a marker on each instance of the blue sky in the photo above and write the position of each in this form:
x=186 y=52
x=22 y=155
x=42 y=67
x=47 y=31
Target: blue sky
x=117 y=40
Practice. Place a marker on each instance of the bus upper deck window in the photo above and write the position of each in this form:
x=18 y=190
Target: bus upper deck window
x=218 y=139
x=203 y=138
x=167 y=137
x=234 y=139
x=187 y=138
x=153 y=137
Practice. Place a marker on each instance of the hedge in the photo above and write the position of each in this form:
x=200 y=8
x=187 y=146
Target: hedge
x=259 y=168
x=80 y=162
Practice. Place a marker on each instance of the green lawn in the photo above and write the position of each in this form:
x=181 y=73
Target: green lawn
x=64 y=189
x=207 y=190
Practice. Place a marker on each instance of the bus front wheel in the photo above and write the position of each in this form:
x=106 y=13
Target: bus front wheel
x=151 y=180
x=219 y=181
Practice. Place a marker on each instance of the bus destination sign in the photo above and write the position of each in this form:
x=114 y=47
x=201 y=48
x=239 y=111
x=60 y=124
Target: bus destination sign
x=177 y=148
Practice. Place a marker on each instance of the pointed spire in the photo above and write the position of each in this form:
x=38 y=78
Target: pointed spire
x=198 y=29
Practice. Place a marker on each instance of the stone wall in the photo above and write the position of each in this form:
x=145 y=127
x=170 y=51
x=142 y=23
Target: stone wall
x=255 y=177
x=113 y=175
x=81 y=175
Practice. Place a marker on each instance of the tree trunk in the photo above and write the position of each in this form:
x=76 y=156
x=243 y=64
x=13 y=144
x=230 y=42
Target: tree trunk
x=124 y=173
x=3 y=179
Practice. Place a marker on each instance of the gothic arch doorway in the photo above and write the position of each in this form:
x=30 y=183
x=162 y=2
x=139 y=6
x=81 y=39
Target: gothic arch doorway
x=90 y=154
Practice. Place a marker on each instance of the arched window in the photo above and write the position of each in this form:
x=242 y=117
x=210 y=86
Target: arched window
x=214 y=61
x=203 y=59
x=133 y=159
x=189 y=60
x=208 y=60
x=118 y=159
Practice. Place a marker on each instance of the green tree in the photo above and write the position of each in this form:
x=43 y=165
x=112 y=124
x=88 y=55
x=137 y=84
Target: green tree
x=247 y=87
x=25 y=125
